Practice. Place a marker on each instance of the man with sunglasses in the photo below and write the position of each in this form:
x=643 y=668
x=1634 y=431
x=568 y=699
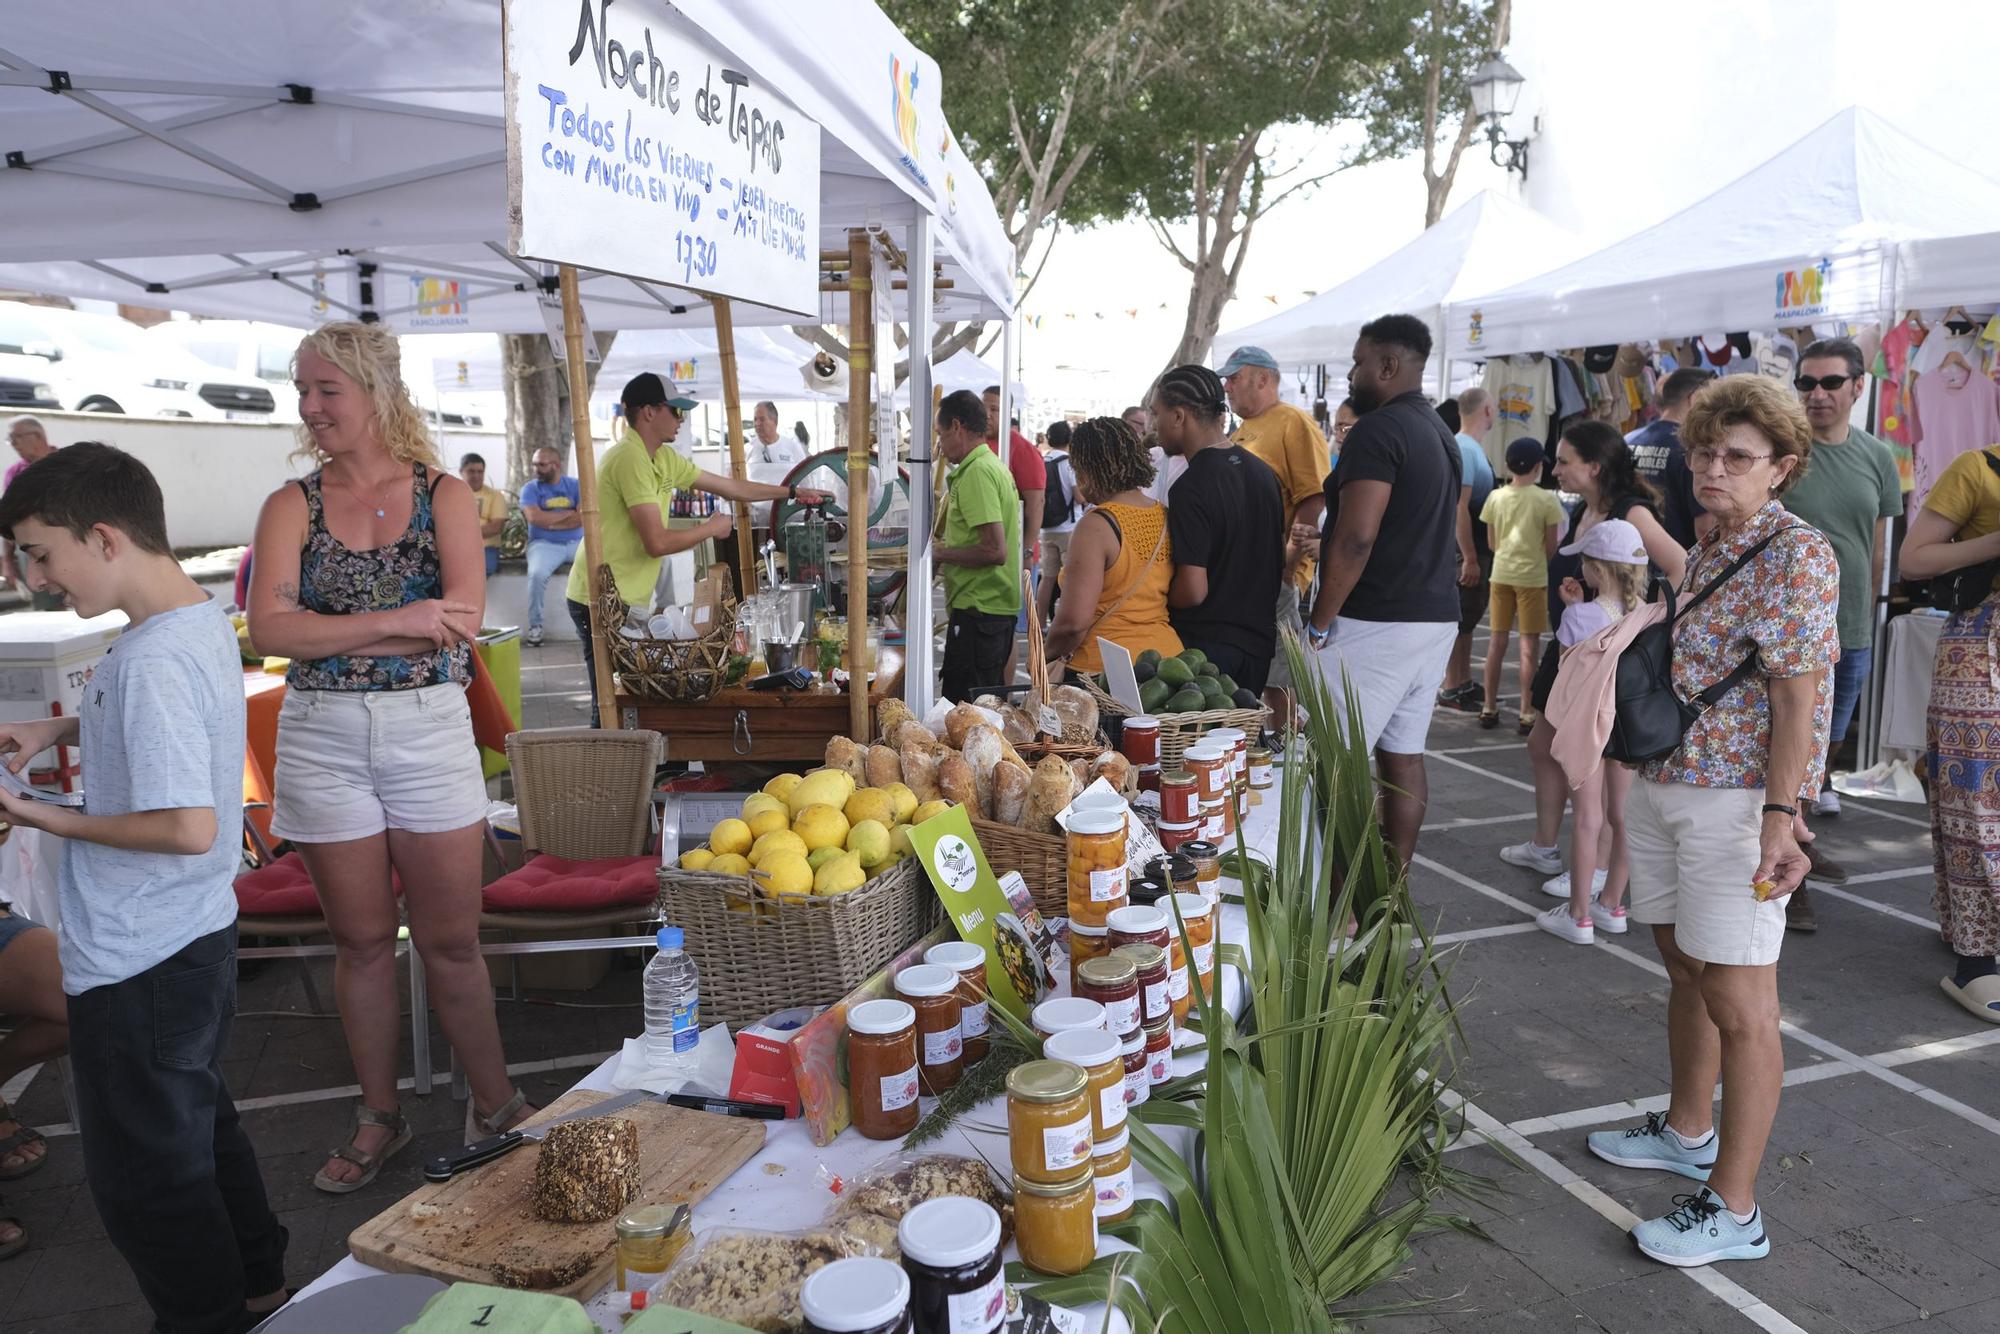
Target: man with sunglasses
x=636 y=479
x=1849 y=493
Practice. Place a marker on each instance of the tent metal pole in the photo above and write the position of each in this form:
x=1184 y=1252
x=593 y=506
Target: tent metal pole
x=917 y=638
x=586 y=485
x=860 y=348
x=732 y=415
x=428 y=172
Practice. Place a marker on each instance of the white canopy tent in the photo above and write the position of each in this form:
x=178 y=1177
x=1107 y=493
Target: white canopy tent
x=767 y=363
x=1809 y=237
x=1484 y=243
x=1949 y=270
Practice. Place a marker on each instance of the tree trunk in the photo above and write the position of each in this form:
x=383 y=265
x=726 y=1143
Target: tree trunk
x=537 y=391
x=1225 y=215
x=1211 y=289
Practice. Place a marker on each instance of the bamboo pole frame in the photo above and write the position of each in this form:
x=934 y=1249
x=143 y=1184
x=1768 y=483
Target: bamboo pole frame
x=860 y=350
x=732 y=412
x=586 y=486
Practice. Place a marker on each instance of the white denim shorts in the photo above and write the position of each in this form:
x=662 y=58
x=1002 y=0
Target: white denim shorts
x=352 y=763
x=1693 y=853
x=1395 y=668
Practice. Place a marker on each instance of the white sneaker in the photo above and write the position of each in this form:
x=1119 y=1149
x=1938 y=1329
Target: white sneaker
x=1557 y=922
x=534 y=636
x=1609 y=920
x=1827 y=804
x=1558 y=888
x=1548 y=861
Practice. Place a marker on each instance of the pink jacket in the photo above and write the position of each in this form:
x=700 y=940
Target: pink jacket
x=1581 y=705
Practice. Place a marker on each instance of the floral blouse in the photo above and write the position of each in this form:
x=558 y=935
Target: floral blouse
x=1781 y=605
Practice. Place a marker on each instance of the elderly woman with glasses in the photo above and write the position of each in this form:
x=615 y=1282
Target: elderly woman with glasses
x=1710 y=827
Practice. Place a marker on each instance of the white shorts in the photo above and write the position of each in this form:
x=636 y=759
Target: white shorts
x=352 y=763
x=1693 y=852
x=1395 y=668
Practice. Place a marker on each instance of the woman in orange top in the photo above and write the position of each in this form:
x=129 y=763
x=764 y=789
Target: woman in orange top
x=1121 y=561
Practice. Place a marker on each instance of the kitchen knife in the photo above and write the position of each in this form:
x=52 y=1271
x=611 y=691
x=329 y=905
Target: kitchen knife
x=446 y=1166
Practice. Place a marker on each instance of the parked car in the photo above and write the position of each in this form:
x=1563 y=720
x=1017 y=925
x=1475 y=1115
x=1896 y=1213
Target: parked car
x=245 y=349
x=24 y=383
x=100 y=363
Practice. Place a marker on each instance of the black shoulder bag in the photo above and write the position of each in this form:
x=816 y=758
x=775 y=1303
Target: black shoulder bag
x=1964 y=589
x=1648 y=717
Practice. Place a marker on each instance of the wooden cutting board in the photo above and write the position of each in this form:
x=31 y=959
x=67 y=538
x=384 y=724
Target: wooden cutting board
x=485 y=1229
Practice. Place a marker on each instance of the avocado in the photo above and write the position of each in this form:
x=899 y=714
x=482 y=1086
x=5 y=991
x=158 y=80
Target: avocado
x=1153 y=695
x=1143 y=671
x=1188 y=700
x=1193 y=657
x=1150 y=659
x=1245 y=700
x=1208 y=669
x=1227 y=682
x=1175 y=672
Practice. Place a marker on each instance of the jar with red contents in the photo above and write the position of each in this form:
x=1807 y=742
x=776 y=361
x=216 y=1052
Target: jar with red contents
x=1160 y=1052
x=1176 y=836
x=1180 y=798
x=1155 y=989
x=1138 y=1081
x=1236 y=745
x=1209 y=763
x=1134 y=925
x=1140 y=740
x=1112 y=982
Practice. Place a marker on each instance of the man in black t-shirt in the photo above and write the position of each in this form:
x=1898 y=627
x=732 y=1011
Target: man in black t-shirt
x=1226 y=519
x=1656 y=450
x=1388 y=598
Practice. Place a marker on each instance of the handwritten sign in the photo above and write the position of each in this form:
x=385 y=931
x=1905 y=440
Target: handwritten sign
x=637 y=146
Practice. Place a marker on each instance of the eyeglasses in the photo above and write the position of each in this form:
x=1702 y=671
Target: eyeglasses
x=1734 y=461
x=1805 y=384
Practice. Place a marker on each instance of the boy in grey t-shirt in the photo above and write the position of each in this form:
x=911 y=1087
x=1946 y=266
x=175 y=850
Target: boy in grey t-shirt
x=148 y=906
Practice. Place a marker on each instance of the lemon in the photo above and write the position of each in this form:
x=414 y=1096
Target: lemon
x=819 y=857
x=729 y=863
x=821 y=827
x=761 y=801
x=929 y=809
x=769 y=820
x=899 y=840
x=781 y=786
x=869 y=840
x=696 y=859
x=776 y=843
x=786 y=873
x=840 y=876
x=871 y=803
x=730 y=836
x=821 y=787
x=902 y=802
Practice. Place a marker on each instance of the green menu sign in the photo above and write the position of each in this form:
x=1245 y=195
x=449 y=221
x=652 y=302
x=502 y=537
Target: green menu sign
x=978 y=907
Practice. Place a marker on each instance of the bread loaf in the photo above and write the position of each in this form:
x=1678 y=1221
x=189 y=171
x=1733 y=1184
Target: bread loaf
x=920 y=770
x=1010 y=791
x=1017 y=725
x=1078 y=712
x=984 y=749
x=1113 y=768
x=962 y=719
x=891 y=714
x=955 y=783
x=1051 y=788
x=587 y=1171
x=845 y=754
x=883 y=767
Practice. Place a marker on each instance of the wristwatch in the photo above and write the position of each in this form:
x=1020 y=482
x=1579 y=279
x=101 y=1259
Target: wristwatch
x=1779 y=808
x=791 y=491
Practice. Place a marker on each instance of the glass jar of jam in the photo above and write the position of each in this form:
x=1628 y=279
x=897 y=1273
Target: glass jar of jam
x=1179 y=994
x=1055 y=1223
x=1059 y=1014
x=1112 y=1167
x=1097 y=1055
x=1179 y=797
x=1048 y=1120
x=1096 y=845
x=1206 y=859
x=1138 y=1086
x=1147 y=890
x=1114 y=984
x=1175 y=836
x=1140 y=740
x=1177 y=869
x=1160 y=1052
x=1199 y=917
x=1149 y=778
x=857 y=1296
x=1155 y=987
x=969 y=962
x=1262 y=777
x=1209 y=763
x=1236 y=746
x=650 y=1236
x=932 y=991
x=882 y=1068
x=1212 y=827
x=1086 y=943
x=1132 y=925
x=951 y=1251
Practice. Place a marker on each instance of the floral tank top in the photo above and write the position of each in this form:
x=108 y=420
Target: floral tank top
x=335 y=580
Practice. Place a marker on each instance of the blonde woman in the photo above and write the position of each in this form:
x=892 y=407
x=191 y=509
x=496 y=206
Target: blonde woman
x=370 y=577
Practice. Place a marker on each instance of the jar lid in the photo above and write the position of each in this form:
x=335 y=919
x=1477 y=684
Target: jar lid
x=1133 y=1041
x=957 y=955
x=1136 y=919
x=1107 y=971
x=1193 y=905
x=855 y=1294
x=1203 y=749
x=1142 y=721
x=652 y=1220
x=1143 y=953
x=926 y=979
x=1079 y=929
x=1056 y=1189
x=952 y=1230
x=1087 y=1047
x=1199 y=851
x=1219 y=735
x=1165 y=1024
x=1179 y=826
x=1111 y=1145
x=1182 y=863
x=881 y=1016
x=1145 y=890
x=1176 y=778
x=1259 y=753
x=1045 y=1081
x=1097 y=820
x=1066 y=1012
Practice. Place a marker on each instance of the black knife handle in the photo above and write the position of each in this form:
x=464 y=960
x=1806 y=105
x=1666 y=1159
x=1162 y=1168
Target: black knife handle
x=446 y=1166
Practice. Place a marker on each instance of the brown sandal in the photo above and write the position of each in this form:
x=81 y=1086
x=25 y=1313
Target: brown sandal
x=20 y=1139
x=369 y=1163
x=479 y=1127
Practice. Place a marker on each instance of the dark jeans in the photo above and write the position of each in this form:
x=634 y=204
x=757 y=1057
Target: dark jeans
x=579 y=616
x=976 y=644
x=1249 y=668
x=171 y=1171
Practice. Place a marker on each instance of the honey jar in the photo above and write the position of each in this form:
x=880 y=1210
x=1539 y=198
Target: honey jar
x=1179 y=993
x=1097 y=1054
x=1206 y=859
x=1048 y=1120
x=1096 y=847
x=1199 y=917
x=1111 y=1165
x=1055 y=1223
x=969 y=962
x=882 y=1068
x=1114 y=984
x=1087 y=943
x=650 y=1236
x=932 y=991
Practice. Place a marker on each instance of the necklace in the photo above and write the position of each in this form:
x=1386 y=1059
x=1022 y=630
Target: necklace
x=381 y=512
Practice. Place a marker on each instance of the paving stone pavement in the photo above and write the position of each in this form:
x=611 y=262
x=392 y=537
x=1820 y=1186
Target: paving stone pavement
x=1881 y=1187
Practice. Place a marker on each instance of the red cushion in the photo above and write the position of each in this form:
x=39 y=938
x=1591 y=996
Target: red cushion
x=551 y=884
x=284 y=889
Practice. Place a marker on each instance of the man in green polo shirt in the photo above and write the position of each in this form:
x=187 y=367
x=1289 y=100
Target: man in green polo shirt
x=635 y=480
x=977 y=542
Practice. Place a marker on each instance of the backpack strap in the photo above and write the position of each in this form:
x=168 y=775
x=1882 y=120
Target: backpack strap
x=1708 y=698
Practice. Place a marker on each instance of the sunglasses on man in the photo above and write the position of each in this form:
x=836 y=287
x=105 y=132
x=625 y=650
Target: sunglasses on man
x=1805 y=384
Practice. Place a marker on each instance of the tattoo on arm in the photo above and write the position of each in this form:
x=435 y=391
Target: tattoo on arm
x=288 y=596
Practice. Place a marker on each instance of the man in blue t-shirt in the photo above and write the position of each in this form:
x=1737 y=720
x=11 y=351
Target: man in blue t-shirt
x=549 y=503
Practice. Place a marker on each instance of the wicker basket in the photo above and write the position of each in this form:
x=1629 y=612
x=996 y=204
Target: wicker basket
x=759 y=955
x=1042 y=860
x=673 y=671
x=1178 y=731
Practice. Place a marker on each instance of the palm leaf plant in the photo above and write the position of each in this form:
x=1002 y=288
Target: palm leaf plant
x=1308 y=1111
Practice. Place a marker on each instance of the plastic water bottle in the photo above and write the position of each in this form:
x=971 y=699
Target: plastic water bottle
x=673 y=1005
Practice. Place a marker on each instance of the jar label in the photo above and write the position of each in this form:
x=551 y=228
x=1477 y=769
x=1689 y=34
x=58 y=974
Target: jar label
x=1204 y=958
x=1114 y=1193
x=1107 y=886
x=899 y=1090
x=1122 y=1015
x=972 y=1020
x=1111 y=1105
x=1159 y=1000
x=1177 y=983
x=1160 y=1066
x=1138 y=1086
x=980 y=1311
x=942 y=1047
x=1066 y=1146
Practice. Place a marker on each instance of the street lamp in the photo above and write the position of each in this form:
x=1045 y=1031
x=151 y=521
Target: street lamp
x=1496 y=88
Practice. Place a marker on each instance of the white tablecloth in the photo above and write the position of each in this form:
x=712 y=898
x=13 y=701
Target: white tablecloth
x=786 y=1185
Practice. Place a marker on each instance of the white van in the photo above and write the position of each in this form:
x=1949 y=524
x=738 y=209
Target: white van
x=101 y=363
x=246 y=349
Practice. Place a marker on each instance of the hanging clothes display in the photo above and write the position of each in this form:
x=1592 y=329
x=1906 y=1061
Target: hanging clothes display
x=1523 y=390
x=1895 y=422
x=1960 y=411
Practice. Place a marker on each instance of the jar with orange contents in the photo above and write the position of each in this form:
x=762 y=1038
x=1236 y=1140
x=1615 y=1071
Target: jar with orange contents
x=1087 y=943
x=968 y=960
x=1055 y=1223
x=932 y=991
x=1112 y=1168
x=882 y=1068
x=1209 y=763
x=1207 y=880
x=1179 y=993
x=1096 y=847
x=1199 y=917
x=1048 y=1120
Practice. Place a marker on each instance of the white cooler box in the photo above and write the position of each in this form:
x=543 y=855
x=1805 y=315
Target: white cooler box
x=46 y=662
